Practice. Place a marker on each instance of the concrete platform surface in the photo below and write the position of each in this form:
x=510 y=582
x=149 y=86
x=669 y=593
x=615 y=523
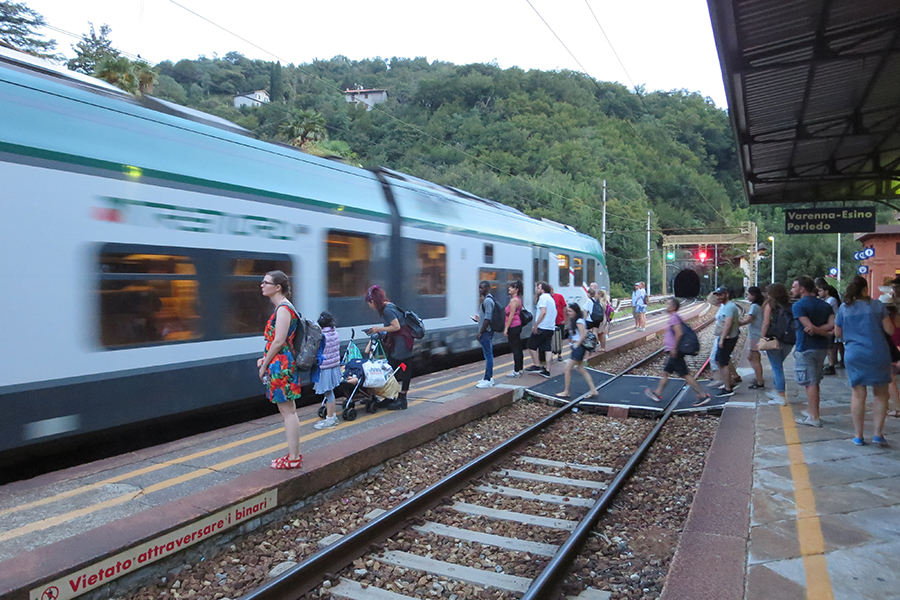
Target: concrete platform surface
x=787 y=511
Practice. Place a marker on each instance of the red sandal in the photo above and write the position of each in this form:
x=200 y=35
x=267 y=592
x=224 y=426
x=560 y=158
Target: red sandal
x=285 y=462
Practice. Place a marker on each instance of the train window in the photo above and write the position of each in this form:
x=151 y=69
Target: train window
x=591 y=274
x=563 y=269
x=349 y=255
x=488 y=254
x=537 y=270
x=147 y=299
x=432 y=269
x=247 y=310
x=579 y=271
x=514 y=276
x=545 y=270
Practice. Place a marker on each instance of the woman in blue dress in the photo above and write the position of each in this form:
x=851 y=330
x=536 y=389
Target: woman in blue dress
x=862 y=323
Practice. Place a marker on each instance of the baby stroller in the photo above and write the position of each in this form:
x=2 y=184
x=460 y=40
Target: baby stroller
x=353 y=367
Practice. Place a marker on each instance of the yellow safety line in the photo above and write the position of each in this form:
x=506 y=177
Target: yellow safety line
x=809 y=527
x=52 y=521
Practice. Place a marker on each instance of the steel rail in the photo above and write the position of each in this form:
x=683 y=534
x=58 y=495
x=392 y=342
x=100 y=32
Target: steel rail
x=308 y=574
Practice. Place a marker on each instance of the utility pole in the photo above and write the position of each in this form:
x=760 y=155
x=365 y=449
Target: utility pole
x=839 y=260
x=648 y=257
x=716 y=268
x=756 y=257
x=603 y=227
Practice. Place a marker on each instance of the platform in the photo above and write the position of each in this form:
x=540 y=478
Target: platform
x=790 y=512
x=66 y=523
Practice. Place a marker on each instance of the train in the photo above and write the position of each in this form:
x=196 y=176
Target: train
x=135 y=233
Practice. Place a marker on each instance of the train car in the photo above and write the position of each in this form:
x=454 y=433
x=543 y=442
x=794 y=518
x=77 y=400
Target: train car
x=135 y=234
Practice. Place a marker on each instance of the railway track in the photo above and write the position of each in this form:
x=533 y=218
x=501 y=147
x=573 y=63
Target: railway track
x=508 y=524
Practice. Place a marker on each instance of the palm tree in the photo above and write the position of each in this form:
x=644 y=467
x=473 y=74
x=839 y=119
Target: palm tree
x=304 y=126
x=145 y=75
x=118 y=71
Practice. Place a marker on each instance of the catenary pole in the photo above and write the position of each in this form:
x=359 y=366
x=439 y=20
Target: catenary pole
x=839 y=260
x=648 y=257
x=603 y=227
x=716 y=268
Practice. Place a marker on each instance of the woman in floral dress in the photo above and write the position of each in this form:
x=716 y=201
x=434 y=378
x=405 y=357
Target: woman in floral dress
x=276 y=369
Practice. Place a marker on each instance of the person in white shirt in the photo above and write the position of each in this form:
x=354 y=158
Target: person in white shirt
x=542 y=330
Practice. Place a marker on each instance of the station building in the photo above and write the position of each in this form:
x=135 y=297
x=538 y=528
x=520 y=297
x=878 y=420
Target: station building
x=885 y=265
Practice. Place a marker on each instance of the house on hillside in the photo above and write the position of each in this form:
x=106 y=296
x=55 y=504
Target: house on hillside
x=257 y=98
x=885 y=264
x=369 y=97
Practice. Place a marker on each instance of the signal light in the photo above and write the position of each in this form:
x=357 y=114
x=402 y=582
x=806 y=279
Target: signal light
x=670 y=256
x=702 y=255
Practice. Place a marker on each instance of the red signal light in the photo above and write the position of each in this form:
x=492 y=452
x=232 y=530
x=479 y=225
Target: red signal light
x=702 y=255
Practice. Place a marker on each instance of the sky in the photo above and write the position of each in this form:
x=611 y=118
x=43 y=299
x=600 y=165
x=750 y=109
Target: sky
x=663 y=44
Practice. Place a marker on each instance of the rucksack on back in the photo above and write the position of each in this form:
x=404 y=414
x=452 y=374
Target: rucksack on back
x=598 y=315
x=306 y=344
x=415 y=324
x=781 y=327
x=609 y=310
x=498 y=318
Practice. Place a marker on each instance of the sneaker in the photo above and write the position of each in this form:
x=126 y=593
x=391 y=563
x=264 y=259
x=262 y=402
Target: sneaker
x=807 y=421
x=860 y=441
x=545 y=373
x=485 y=383
x=559 y=358
x=773 y=395
x=725 y=393
x=328 y=423
x=652 y=395
x=829 y=371
x=877 y=439
x=534 y=369
x=514 y=374
x=777 y=401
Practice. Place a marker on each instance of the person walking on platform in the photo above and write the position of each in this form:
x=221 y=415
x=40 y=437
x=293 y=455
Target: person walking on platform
x=559 y=334
x=513 y=326
x=777 y=314
x=485 y=333
x=863 y=323
x=398 y=342
x=327 y=375
x=277 y=368
x=729 y=318
x=676 y=362
x=542 y=330
x=754 y=318
x=576 y=330
x=603 y=326
x=829 y=294
x=639 y=306
x=814 y=323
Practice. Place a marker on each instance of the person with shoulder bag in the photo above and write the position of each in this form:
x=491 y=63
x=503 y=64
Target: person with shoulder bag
x=277 y=368
x=676 y=329
x=754 y=318
x=603 y=325
x=485 y=337
x=580 y=341
x=398 y=342
x=512 y=329
x=776 y=311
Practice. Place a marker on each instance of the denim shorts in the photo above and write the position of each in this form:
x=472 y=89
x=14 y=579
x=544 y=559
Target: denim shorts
x=808 y=367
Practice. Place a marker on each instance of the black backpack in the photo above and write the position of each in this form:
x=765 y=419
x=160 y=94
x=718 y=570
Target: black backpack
x=412 y=322
x=781 y=326
x=688 y=344
x=598 y=315
x=498 y=317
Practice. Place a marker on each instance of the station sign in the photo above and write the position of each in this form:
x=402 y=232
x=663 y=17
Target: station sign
x=829 y=220
x=862 y=270
x=95 y=575
x=833 y=271
x=864 y=254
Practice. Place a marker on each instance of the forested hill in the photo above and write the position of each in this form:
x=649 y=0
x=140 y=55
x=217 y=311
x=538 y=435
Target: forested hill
x=540 y=141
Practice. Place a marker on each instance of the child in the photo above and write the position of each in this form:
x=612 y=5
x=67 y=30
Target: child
x=676 y=363
x=328 y=375
x=577 y=330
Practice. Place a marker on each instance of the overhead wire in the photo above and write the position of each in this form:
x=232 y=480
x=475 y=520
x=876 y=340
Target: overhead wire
x=392 y=117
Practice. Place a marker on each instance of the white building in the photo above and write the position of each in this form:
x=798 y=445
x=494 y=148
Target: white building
x=257 y=98
x=368 y=97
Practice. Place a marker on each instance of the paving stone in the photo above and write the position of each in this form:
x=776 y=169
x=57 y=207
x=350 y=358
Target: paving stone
x=768 y=507
x=765 y=584
x=845 y=499
x=836 y=472
x=865 y=572
x=773 y=541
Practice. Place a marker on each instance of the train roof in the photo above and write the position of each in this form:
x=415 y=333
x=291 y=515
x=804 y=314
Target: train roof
x=47 y=112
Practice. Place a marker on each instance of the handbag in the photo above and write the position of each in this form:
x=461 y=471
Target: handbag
x=525 y=316
x=590 y=342
x=767 y=343
x=377 y=372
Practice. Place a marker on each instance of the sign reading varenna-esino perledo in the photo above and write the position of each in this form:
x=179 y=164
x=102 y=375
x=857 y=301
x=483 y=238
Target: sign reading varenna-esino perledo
x=829 y=220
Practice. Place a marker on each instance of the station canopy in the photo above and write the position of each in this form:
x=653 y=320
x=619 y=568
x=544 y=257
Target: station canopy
x=814 y=95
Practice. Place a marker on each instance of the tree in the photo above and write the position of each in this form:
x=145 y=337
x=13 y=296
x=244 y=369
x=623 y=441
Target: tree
x=276 y=85
x=304 y=126
x=18 y=25
x=91 y=50
x=134 y=77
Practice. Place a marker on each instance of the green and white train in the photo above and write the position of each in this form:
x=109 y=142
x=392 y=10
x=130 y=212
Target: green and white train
x=135 y=234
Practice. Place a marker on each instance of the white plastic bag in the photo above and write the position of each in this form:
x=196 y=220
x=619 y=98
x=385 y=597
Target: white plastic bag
x=377 y=373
